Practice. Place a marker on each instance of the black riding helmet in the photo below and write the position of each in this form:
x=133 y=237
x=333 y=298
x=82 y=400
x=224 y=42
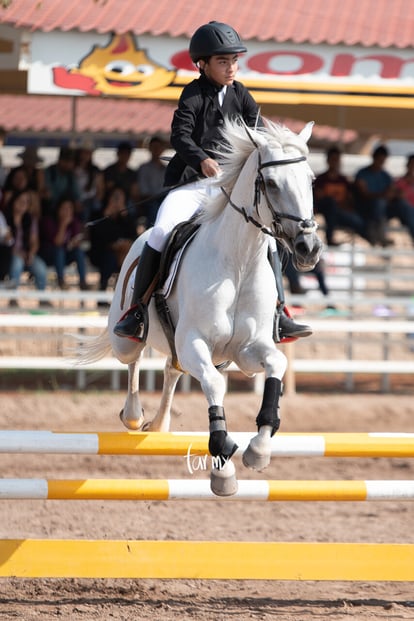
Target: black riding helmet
x=213 y=39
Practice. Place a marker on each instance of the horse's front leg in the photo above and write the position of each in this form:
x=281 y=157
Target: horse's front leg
x=197 y=359
x=223 y=480
x=162 y=420
x=257 y=454
x=132 y=414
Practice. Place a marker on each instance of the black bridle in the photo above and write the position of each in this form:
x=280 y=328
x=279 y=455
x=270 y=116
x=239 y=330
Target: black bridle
x=305 y=225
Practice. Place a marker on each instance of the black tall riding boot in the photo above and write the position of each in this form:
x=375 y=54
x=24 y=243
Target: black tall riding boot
x=134 y=324
x=284 y=327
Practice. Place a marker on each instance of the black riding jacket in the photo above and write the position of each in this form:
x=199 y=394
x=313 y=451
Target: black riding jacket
x=198 y=121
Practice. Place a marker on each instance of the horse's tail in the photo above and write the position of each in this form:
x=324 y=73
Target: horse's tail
x=92 y=348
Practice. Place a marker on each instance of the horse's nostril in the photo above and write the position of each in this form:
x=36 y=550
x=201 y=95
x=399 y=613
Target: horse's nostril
x=301 y=248
x=307 y=244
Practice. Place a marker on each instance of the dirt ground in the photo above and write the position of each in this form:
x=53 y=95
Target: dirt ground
x=169 y=600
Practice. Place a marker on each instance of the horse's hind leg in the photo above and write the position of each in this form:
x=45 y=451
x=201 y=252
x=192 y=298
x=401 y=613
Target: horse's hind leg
x=162 y=420
x=257 y=454
x=132 y=414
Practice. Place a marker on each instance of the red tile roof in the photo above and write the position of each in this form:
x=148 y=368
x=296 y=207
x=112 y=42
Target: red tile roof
x=381 y=23
x=53 y=114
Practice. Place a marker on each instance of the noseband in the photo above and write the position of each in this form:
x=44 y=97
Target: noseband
x=305 y=225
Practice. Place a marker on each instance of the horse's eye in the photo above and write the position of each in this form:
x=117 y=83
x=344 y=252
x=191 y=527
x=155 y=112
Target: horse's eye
x=271 y=184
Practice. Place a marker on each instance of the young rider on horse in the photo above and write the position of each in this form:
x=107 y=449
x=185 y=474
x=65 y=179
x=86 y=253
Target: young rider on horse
x=195 y=136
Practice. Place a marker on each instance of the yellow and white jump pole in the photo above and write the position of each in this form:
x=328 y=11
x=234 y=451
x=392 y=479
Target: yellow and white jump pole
x=172 y=443
x=199 y=489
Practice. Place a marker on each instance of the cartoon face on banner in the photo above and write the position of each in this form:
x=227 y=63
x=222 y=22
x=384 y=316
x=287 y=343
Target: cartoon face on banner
x=119 y=69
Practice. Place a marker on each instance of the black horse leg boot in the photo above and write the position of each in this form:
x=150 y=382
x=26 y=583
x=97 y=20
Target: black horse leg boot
x=134 y=324
x=284 y=327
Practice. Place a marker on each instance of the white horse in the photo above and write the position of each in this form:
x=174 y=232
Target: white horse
x=224 y=296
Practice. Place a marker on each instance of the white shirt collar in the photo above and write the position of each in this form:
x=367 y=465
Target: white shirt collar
x=221 y=94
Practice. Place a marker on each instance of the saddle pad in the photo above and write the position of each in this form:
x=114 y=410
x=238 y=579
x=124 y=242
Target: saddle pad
x=175 y=264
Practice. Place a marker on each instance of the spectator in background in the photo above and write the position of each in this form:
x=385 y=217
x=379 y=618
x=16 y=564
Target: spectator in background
x=379 y=200
x=3 y=176
x=30 y=170
x=6 y=242
x=90 y=181
x=120 y=175
x=3 y=169
x=333 y=198
x=60 y=181
x=31 y=163
x=25 y=242
x=405 y=184
x=60 y=242
x=404 y=190
x=374 y=189
x=17 y=181
x=150 y=177
x=112 y=237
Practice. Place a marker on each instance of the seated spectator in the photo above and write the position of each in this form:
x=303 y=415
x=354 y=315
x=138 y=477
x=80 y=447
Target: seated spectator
x=120 y=175
x=25 y=242
x=3 y=176
x=401 y=205
x=334 y=199
x=405 y=184
x=27 y=175
x=60 y=182
x=6 y=242
x=150 y=177
x=373 y=187
x=112 y=237
x=17 y=181
x=61 y=236
x=90 y=181
x=3 y=169
x=378 y=201
x=373 y=190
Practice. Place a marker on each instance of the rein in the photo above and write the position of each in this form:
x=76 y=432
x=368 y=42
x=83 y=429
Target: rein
x=243 y=212
x=291 y=160
x=307 y=226
x=153 y=197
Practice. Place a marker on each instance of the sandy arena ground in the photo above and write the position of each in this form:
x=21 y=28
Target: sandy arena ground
x=189 y=599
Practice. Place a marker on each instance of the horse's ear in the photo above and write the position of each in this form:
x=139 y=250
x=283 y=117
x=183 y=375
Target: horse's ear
x=306 y=132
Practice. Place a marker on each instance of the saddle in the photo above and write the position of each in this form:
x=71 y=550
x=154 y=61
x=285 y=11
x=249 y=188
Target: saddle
x=179 y=239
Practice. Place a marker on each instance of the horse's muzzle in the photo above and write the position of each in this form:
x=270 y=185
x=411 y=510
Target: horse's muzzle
x=307 y=249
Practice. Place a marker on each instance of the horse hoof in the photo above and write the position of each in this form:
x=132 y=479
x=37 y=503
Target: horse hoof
x=223 y=482
x=133 y=424
x=147 y=426
x=255 y=461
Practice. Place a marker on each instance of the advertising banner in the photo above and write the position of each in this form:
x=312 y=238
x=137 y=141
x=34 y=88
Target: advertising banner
x=148 y=67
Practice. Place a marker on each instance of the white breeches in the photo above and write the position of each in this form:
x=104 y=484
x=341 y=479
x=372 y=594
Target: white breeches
x=178 y=206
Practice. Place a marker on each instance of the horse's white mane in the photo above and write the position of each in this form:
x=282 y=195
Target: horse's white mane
x=239 y=142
